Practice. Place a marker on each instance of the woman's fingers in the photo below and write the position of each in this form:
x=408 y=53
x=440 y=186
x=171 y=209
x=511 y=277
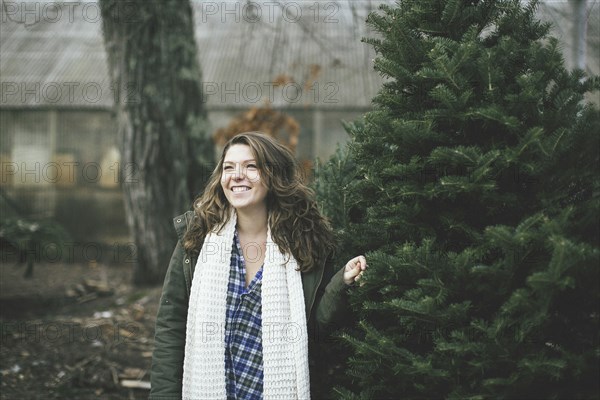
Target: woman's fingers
x=354 y=269
x=359 y=262
x=362 y=262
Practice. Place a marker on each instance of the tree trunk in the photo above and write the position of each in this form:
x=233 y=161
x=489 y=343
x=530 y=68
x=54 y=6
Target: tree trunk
x=165 y=156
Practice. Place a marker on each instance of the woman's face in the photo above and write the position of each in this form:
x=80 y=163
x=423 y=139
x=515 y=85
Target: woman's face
x=240 y=179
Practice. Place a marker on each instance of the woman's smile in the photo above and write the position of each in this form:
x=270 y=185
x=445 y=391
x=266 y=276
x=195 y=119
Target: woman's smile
x=237 y=189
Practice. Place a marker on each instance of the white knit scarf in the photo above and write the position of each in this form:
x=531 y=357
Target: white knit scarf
x=284 y=334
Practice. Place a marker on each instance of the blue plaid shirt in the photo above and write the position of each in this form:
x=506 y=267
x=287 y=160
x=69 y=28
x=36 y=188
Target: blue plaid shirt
x=243 y=339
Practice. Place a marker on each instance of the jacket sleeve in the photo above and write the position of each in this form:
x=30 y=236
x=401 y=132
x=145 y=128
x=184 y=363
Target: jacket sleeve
x=169 y=339
x=332 y=307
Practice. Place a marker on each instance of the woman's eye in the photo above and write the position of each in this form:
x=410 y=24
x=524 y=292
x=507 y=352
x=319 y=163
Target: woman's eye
x=227 y=167
x=253 y=166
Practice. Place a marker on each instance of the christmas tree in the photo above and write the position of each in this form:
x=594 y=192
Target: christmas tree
x=476 y=201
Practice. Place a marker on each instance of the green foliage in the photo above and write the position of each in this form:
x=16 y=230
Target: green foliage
x=475 y=196
x=33 y=240
x=331 y=180
x=330 y=183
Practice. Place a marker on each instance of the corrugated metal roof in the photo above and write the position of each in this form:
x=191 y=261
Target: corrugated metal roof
x=52 y=61
x=47 y=59
x=320 y=37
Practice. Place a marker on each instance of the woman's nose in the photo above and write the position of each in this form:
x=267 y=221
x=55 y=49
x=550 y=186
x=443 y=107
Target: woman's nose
x=238 y=173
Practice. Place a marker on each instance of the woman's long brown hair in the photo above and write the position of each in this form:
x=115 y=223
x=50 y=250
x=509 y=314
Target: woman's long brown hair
x=297 y=226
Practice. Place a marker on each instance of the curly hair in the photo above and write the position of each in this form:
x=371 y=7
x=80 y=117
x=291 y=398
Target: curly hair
x=297 y=226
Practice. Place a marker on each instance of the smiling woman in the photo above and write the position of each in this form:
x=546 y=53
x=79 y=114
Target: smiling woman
x=241 y=181
x=252 y=262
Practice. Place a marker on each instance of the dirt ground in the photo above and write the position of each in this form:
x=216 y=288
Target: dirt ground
x=75 y=332
x=82 y=331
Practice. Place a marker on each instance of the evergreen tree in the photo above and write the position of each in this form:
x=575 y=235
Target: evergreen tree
x=477 y=203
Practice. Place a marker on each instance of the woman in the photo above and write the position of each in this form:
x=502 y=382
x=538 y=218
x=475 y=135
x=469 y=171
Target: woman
x=246 y=283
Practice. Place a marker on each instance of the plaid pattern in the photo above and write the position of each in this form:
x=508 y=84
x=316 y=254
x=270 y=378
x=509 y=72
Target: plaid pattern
x=243 y=339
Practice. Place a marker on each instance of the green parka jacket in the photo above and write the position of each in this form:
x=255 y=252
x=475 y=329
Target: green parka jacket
x=324 y=296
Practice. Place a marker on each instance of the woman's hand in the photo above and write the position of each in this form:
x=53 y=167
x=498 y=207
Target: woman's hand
x=354 y=269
